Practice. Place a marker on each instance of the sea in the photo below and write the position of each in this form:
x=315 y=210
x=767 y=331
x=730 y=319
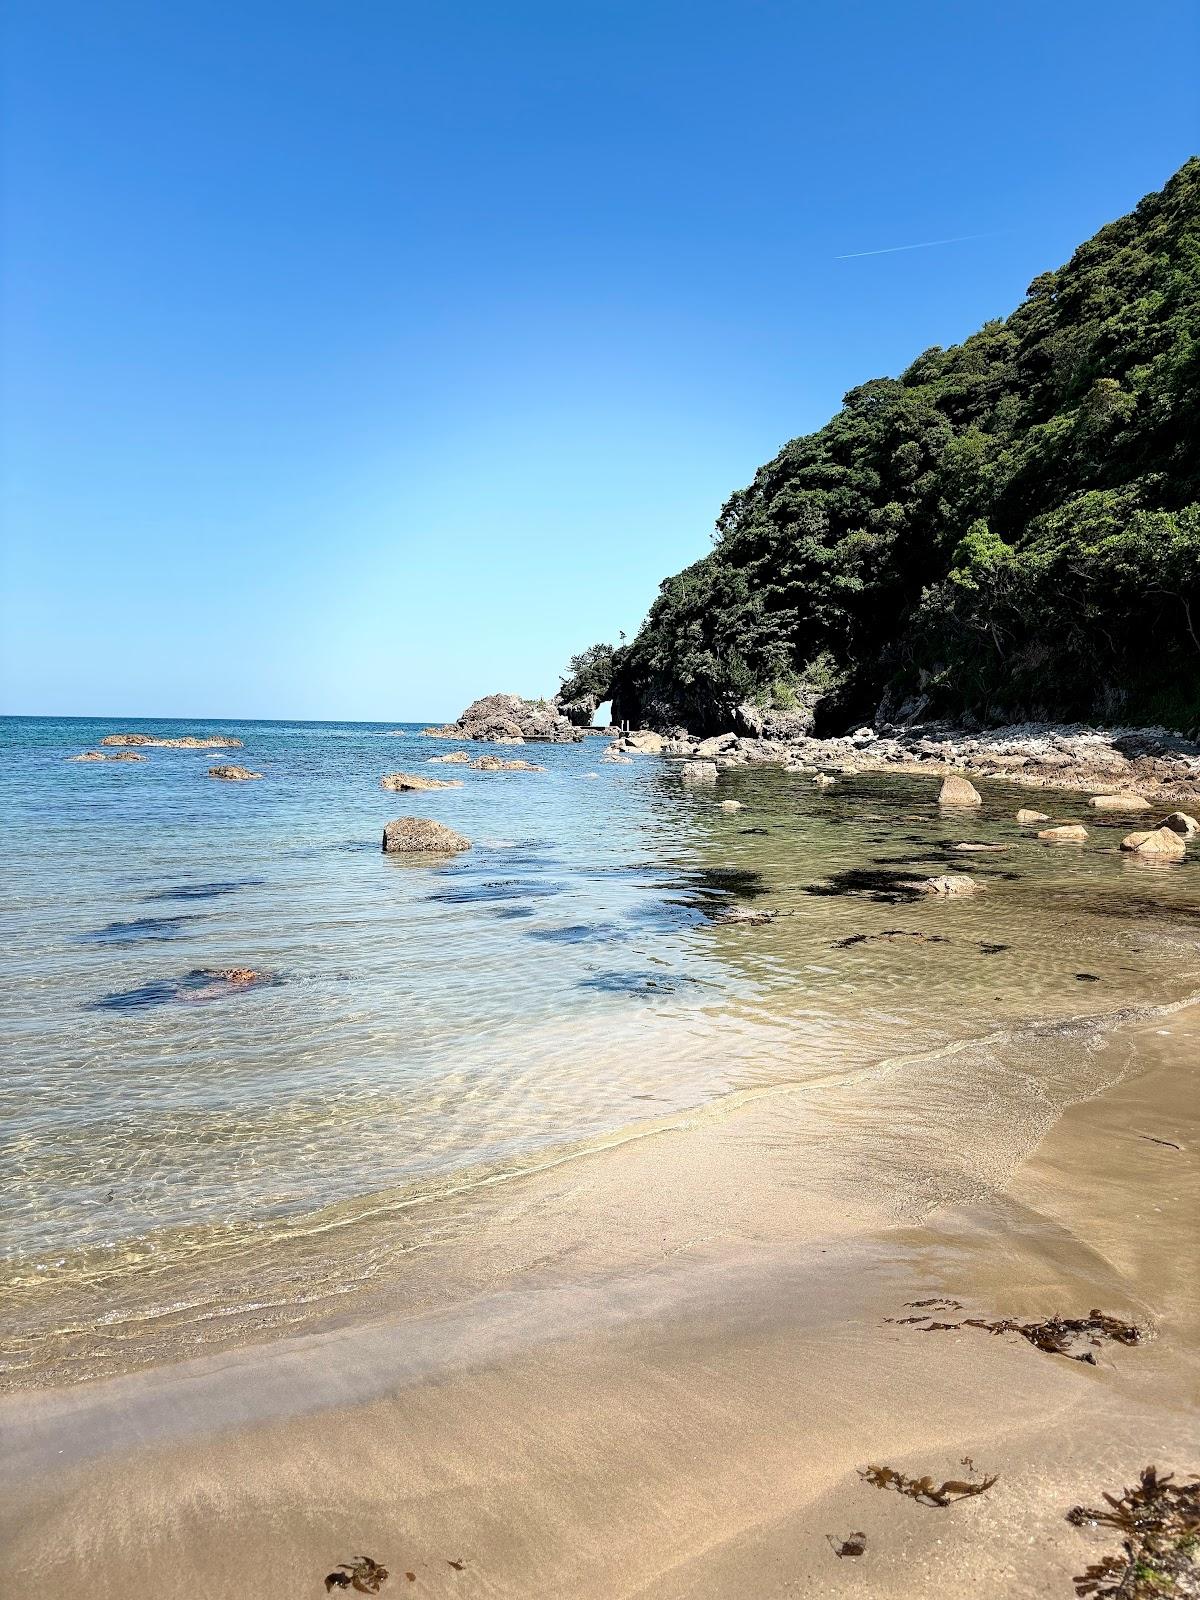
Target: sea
x=418 y=1028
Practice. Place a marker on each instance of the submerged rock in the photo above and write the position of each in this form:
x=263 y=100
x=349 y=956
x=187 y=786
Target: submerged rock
x=699 y=771
x=233 y=774
x=1164 y=843
x=496 y=764
x=952 y=885
x=399 y=782
x=744 y=916
x=613 y=754
x=730 y=805
x=1064 y=833
x=958 y=791
x=1027 y=817
x=1119 y=802
x=420 y=836
x=101 y=755
x=456 y=758
x=213 y=742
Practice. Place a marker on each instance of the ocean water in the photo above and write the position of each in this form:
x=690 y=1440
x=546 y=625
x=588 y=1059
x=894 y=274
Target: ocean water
x=422 y=1028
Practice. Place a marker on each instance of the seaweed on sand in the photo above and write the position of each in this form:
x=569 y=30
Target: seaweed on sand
x=1160 y=1521
x=923 y=1490
x=852 y=1545
x=363 y=1574
x=1056 y=1336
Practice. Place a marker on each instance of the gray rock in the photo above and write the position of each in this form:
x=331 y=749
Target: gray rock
x=419 y=836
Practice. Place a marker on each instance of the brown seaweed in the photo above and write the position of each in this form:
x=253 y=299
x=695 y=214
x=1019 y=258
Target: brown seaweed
x=1056 y=1336
x=923 y=1490
x=852 y=1545
x=1160 y=1521
x=459 y=1566
x=363 y=1574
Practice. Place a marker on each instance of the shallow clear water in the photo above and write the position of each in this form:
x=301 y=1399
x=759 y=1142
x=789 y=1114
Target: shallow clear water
x=427 y=1026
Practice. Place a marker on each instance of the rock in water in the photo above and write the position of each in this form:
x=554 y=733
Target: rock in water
x=824 y=781
x=699 y=771
x=1178 y=822
x=730 y=805
x=1163 y=843
x=1119 y=802
x=419 y=836
x=508 y=719
x=233 y=774
x=1064 y=833
x=716 y=746
x=398 y=782
x=645 y=740
x=953 y=885
x=456 y=758
x=495 y=764
x=1027 y=817
x=212 y=742
x=958 y=791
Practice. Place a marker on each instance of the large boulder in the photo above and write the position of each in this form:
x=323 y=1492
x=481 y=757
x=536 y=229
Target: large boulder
x=399 y=782
x=508 y=719
x=1027 y=818
x=699 y=771
x=1162 y=843
x=716 y=746
x=958 y=791
x=1178 y=822
x=645 y=740
x=414 y=836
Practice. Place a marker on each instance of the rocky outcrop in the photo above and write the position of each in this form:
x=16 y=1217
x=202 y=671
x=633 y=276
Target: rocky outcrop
x=496 y=764
x=233 y=774
x=508 y=719
x=1180 y=822
x=456 y=758
x=416 y=836
x=958 y=791
x=214 y=742
x=399 y=782
x=1163 y=843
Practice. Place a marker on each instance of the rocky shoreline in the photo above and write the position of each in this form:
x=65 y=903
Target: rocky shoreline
x=1161 y=766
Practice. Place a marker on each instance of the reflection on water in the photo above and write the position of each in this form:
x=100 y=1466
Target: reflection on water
x=424 y=1027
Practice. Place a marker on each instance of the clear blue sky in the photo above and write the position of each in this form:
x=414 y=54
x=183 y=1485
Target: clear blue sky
x=362 y=356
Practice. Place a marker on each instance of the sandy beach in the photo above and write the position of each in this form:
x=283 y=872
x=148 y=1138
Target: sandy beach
x=675 y=1398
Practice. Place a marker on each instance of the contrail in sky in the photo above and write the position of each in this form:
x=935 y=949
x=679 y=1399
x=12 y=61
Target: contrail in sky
x=926 y=244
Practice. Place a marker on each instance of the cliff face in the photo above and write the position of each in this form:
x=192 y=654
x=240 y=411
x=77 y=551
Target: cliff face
x=1009 y=529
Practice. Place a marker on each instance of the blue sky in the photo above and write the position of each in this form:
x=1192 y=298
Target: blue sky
x=363 y=356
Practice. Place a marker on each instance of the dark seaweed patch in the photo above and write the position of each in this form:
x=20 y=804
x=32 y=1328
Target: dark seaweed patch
x=1160 y=1521
x=203 y=891
x=363 y=1574
x=141 y=930
x=923 y=1490
x=666 y=915
x=201 y=984
x=891 y=935
x=1056 y=1336
x=872 y=883
x=852 y=1545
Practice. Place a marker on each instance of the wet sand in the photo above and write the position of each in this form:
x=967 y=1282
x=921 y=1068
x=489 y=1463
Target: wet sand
x=666 y=1364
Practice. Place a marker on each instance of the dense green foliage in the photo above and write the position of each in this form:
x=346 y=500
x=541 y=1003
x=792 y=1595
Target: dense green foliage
x=1008 y=529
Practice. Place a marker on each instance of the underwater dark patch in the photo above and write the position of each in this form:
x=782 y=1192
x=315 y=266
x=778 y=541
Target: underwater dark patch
x=579 y=933
x=884 y=884
x=637 y=983
x=666 y=915
x=201 y=984
x=203 y=891
x=499 y=889
x=141 y=930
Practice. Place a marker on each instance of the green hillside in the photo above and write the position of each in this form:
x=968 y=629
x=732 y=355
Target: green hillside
x=1008 y=529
